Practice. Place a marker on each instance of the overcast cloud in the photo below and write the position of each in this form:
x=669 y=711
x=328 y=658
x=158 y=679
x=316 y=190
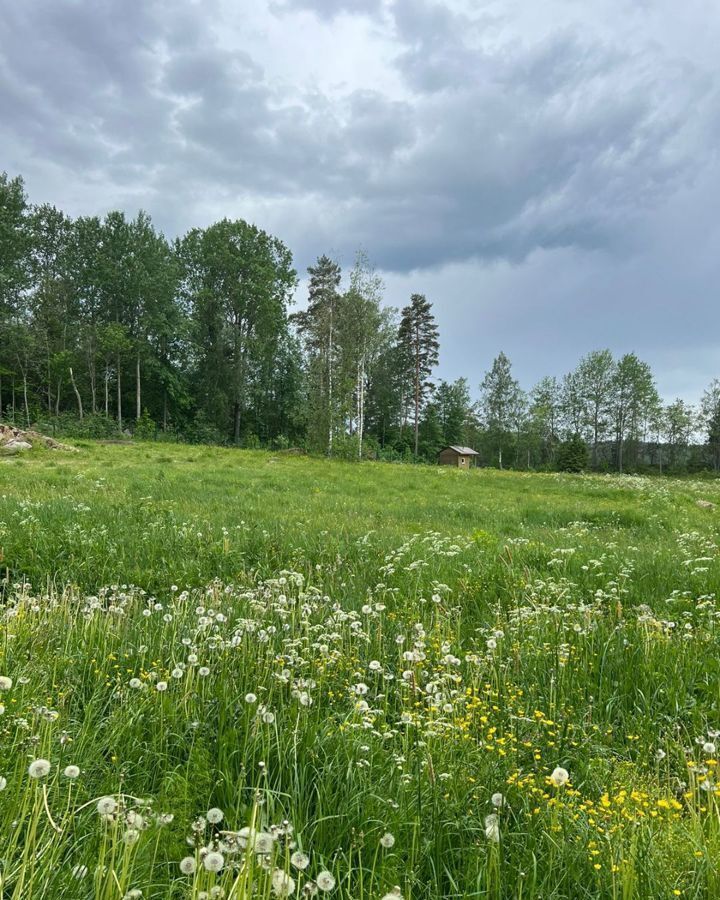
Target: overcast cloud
x=546 y=173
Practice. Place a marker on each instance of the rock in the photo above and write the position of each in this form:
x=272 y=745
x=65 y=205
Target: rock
x=13 y=440
x=706 y=504
x=16 y=445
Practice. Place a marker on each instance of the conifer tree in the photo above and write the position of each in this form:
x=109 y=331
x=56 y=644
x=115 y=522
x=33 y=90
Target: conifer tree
x=418 y=348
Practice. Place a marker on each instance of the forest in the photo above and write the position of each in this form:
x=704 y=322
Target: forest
x=109 y=329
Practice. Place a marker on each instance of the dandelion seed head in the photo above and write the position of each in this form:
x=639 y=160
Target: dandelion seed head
x=559 y=776
x=214 y=815
x=325 y=880
x=6 y=683
x=188 y=865
x=106 y=806
x=387 y=840
x=213 y=861
x=71 y=772
x=492 y=828
x=300 y=860
x=39 y=768
x=282 y=884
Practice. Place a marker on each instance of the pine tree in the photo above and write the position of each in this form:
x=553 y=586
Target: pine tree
x=318 y=327
x=418 y=349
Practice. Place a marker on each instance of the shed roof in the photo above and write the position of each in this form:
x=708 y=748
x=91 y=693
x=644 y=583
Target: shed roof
x=463 y=451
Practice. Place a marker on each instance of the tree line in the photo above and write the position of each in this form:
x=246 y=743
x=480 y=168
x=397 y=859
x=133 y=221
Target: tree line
x=107 y=327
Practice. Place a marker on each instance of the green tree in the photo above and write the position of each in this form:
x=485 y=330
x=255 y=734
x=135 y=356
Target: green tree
x=710 y=420
x=680 y=422
x=238 y=280
x=634 y=398
x=418 y=350
x=502 y=405
x=318 y=328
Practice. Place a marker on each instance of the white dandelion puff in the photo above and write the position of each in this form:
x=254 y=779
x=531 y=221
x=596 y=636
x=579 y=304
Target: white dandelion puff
x=214 y=815
x=492 y=828
x=282 y=884
x=71 y=772
x=559 y=776
x=39 y=768
x=497 y=800
x=214 y=861
x=106 y=806
x=300 y=860
x=325 y=880
x=387 y=840
x=6 y=683
x=188 y=865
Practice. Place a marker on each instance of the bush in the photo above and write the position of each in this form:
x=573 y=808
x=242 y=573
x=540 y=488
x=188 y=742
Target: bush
x=572 y=455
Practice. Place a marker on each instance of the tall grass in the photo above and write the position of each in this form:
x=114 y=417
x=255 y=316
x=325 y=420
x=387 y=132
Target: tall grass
x=377 y=667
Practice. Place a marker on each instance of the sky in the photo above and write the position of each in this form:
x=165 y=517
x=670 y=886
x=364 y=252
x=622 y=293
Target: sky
x=546 y=173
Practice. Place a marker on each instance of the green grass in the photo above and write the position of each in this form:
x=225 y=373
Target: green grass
x=417 y=640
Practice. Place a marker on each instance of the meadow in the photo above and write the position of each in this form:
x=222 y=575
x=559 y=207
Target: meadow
x=237 y=674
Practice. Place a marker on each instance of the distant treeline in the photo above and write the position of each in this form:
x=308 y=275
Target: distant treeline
x=107 y=327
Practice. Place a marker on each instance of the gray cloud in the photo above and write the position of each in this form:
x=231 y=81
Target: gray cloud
x=328 y=8
x=481 y=141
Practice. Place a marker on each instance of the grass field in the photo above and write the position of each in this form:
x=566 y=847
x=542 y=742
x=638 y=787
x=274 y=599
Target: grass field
x=280 y=676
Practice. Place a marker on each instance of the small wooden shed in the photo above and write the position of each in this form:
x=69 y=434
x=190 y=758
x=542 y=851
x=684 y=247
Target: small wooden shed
x=460 y=457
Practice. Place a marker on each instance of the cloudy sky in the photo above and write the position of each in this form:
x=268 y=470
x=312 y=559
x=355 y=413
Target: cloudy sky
x=547 y=173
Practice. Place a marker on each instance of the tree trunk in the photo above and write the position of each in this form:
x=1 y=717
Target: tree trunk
x=25 y=397
x=92 y=374
x=107 y=392
x=417 y=388
x=236 y=423
x=77 y=394
x=361 y=405
x=119 y=395
x=138 y=395
x=165 y=410
x=330 y=384
x=57 y=398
